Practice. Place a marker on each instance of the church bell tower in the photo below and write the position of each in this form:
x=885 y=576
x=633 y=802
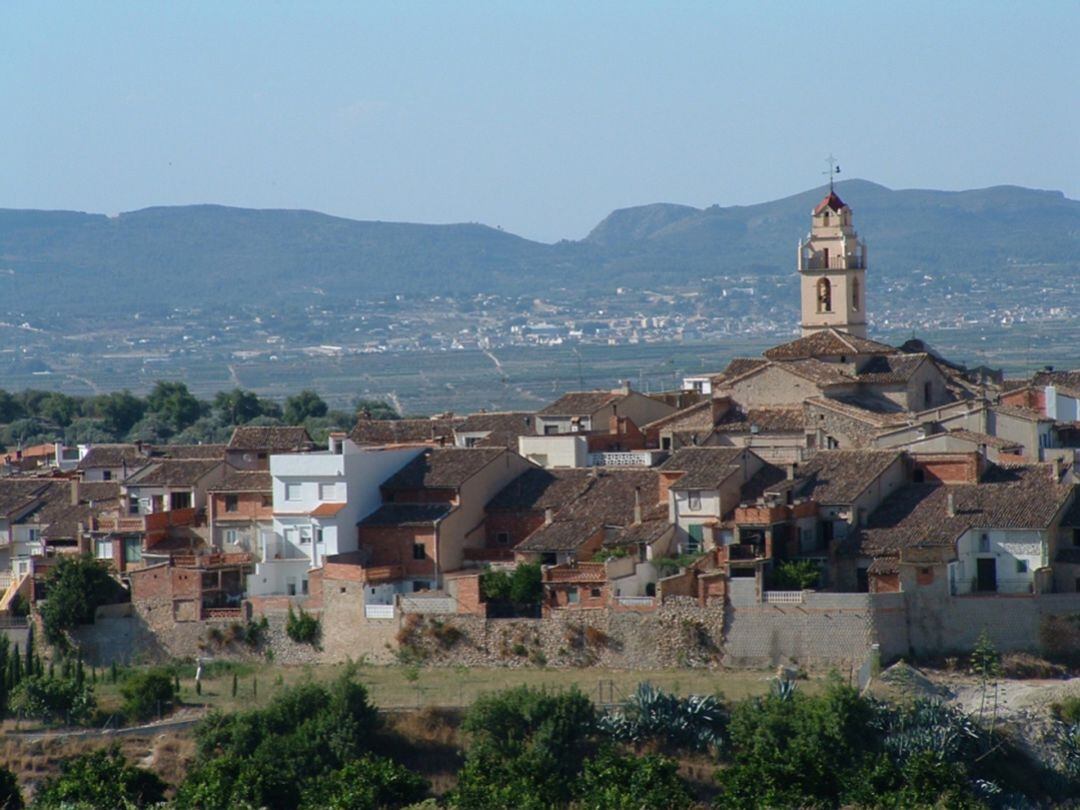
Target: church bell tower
x=832 y=271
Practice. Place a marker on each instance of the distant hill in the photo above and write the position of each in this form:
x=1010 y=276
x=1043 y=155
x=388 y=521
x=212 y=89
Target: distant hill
x=207 y=254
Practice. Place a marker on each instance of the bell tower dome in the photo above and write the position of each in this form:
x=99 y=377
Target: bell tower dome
x=832 y=271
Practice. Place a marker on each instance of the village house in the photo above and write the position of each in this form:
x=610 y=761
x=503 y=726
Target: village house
x=437 y=431
x=495 y=429
x=241 y=509
x=250 y=446
x=318 y=499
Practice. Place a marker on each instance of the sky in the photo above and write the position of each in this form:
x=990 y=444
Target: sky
x=539 y=118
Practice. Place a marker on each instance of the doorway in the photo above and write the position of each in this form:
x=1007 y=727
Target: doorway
x=986 y=574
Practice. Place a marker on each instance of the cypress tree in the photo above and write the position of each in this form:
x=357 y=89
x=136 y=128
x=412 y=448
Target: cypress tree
x=3 y=676
x=16 y=667
x=234 y=684
x=65 y=669
x=30 y=649
x=112 y=672
x=176 y=683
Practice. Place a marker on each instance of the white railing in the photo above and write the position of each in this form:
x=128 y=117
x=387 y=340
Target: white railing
x=631 y=458
x=635 y=601
x=378 y=611
x=784 y=597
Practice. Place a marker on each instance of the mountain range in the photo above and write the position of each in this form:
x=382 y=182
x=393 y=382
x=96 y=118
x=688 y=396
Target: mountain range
x=208 y=255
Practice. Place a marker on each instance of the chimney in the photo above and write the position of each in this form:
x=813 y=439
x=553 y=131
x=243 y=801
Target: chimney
x=1056 y=468
x=637 y=506
x=549 y=516
x=74 y=491
x=950 y=504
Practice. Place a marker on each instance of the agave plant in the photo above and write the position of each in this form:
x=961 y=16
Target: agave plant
x=696 y=723
x=1067 y=738
x=783 y=689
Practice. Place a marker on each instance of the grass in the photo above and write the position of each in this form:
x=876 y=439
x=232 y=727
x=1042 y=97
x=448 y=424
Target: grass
x=395 y=687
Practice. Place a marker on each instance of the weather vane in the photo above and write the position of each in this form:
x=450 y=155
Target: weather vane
x=834 y=169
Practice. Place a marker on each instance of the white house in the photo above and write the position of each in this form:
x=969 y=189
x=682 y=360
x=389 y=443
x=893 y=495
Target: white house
x=318 y=500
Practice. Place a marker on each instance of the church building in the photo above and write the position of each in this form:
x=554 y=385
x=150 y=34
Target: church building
x=832 y=270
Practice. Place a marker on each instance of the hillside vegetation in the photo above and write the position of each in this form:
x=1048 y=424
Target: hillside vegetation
x=158 y=257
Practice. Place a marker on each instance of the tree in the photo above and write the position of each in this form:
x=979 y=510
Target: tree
x=238 y=406
x=796 y=575
x=74 y=589
x=151 y=429
x=374 y=409
x=10 y=408
x=268 y=757
x=173 y=402
x=526 y=749
x=120 y=410
x=303 y=628
x=101 y=778
x=305 y=405
x=53 y=699
x=10 y=795
x=614 y=781
x=89 y=430
x=60 y=409
x=368 y=783
x=148 y=692
x=205 y=430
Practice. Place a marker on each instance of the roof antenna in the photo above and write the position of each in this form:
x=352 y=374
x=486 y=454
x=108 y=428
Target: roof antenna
x=834 y=169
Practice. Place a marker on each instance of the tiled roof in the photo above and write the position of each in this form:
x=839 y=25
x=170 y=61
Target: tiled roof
x=561 y=535
x=113 y=455
x=840 y=476
x=859 y=408
x=173 y=473
x=648 y=531
x=983 y=438
x=60 y=518
x=521 y=422
x=538 y=489
x=407 y=514
x=609 y=498
x=740 y=365
x=443 y=467
x=766 y=420
x=1020 y=413
x=580 y=403
x=328 y=509
x=826 y=343
x=832 y=201
x=17 y=493
x=1060 y=379
x=917 y=515
x=270 y=438
x=770 y=478
x=404 y=431
x=703 y=467
x=891 y=368
x=244 y=481
x=696 y=416
x=817 y=371
x=188 y=451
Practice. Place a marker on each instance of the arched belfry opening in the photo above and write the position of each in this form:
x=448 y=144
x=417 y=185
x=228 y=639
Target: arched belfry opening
x=824 y=295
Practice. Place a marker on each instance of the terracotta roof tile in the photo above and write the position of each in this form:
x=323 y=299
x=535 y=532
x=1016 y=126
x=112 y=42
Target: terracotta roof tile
x=891 y=368
x=827 y=343
x=113 y=455
x=404 y=431
x=831 y=201
x=767 y=420
x=580 y=403
x=271 y=438
x=538 y=489
x=244 y=481
x=840 y=476
x=443 y=467
x=173 y=473
x=703 y=467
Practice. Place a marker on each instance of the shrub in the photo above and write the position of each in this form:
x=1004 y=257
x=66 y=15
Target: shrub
x=445 y=635
x=595 y=637
x=1067 y=710
x=147 y=693
x=10 y=795
x=1059 y=639
x=522 y=587
x=53 y=699
x=102 y=778
x=303 y=628
x=694 y=723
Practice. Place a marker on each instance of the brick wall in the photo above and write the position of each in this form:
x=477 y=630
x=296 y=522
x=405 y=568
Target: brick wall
x=393 y=545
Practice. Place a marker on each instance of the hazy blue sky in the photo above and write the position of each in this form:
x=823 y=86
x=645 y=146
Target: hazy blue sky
x=537 y=117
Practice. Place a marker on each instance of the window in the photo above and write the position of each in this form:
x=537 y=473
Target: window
x=106 y=475
x=855 y=294
x=572 y=596
x=697 y=537
x=502 y=538
x=32 y=535
x=133 y=504
x=103 y=549
x=418 y=551
x=132 y=550
x=231 y=536
x=290 y=586
x=267 y=502
x=824 y=295
x=694 y=499
x=304 y=587
x=1021 y=566
x=305 y=534
x=293 y=492
x=928 y=395
x=232 y=503
x=984 y=543
x=180 y=500
x=318 y=534
x=327 y=492
x=594 y=593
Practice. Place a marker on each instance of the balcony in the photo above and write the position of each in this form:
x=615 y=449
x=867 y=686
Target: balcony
x=216 y=560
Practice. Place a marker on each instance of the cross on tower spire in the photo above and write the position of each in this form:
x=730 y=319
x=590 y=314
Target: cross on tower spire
x=834 y=169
